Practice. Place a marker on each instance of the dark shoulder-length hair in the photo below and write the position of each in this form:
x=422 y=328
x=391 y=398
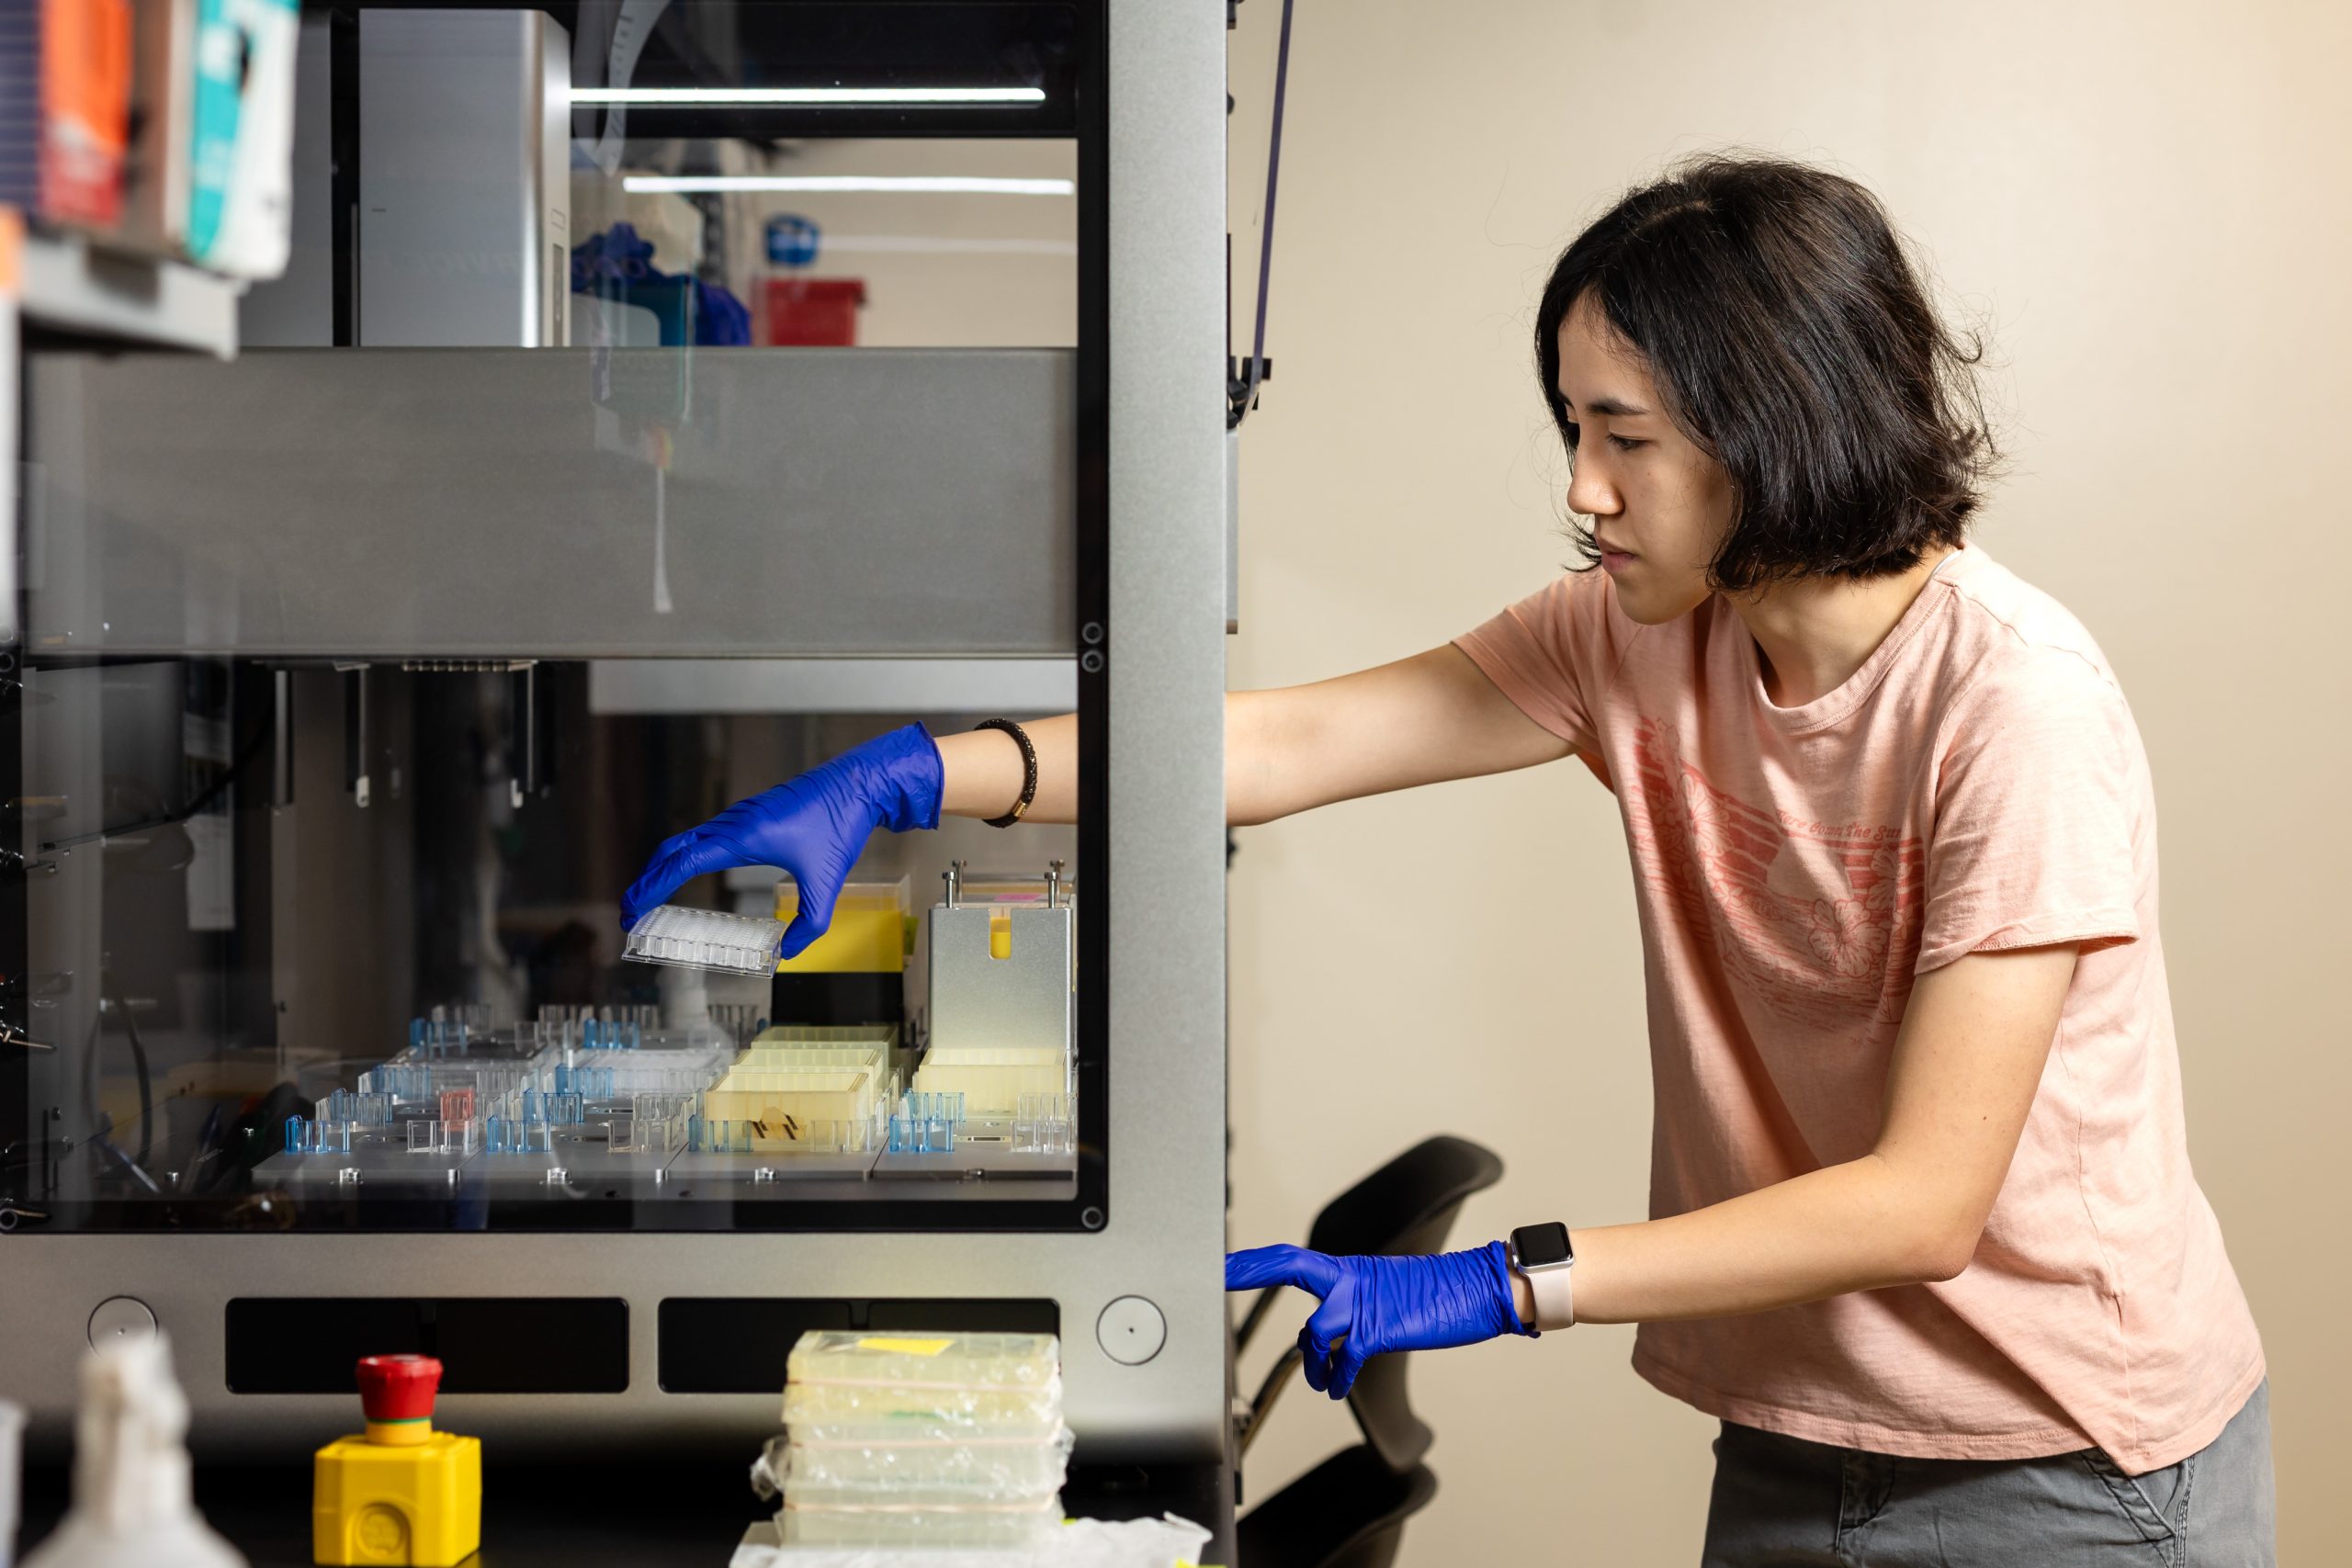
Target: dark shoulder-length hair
x=1789 y=338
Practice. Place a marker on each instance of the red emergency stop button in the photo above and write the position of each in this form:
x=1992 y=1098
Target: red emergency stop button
x=397 y=1388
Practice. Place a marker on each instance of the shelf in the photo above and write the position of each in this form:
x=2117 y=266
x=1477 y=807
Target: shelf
x=884 y=504
x=73 y=287
x=832 y=685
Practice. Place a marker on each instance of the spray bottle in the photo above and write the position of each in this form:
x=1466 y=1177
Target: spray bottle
x=132 y=1508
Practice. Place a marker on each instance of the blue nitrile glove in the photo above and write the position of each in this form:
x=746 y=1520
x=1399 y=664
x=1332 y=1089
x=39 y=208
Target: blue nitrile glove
x=1371 y=1305
x=813 y=826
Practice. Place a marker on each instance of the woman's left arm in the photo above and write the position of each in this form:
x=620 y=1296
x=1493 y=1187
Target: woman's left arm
x=1976 y=1035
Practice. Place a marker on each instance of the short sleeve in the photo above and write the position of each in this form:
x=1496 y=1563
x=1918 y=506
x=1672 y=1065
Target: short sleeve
x=1554 y=651
x=2042 y=795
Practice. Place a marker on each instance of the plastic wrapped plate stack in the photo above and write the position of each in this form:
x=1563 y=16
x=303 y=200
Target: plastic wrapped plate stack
x=920 y=1440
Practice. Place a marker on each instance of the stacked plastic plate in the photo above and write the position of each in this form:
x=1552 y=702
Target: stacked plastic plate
x=920 y=1440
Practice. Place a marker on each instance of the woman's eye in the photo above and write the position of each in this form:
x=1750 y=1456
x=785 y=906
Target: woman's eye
x=1624 y=445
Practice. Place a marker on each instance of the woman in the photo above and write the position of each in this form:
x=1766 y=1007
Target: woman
x=1924 y=1234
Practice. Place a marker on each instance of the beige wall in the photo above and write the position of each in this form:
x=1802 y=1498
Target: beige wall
x=2151 y=203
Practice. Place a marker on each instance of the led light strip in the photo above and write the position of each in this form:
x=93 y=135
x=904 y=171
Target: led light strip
x=958 y=185
x=861 y=244
x=809 y=97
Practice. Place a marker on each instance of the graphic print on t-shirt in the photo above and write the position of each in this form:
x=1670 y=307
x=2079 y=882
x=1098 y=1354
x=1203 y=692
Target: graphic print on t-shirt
x=1818 y=921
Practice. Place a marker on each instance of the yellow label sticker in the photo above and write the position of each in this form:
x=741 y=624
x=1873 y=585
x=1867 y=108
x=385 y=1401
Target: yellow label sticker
x=906 y=1346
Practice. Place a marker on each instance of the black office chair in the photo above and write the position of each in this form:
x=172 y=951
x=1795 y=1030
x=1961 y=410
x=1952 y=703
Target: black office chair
x=1349 y=1511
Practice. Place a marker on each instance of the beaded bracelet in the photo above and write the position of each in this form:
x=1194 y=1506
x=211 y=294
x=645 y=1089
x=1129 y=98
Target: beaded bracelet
x=1028 y=770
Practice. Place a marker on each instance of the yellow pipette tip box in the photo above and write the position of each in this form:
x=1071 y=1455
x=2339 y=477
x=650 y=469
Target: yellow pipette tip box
x=869 y=936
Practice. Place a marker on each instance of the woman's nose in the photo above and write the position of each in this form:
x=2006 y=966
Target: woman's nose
x=1589 y=492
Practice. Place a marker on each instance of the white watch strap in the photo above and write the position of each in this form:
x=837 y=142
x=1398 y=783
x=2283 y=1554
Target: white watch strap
x=1554 y=1294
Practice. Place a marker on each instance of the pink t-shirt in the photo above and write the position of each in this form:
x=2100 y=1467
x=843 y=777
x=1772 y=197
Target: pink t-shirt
x=1977 y=784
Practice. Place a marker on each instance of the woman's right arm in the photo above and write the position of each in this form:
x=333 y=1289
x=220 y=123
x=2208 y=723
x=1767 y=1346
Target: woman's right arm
x=1420 y=720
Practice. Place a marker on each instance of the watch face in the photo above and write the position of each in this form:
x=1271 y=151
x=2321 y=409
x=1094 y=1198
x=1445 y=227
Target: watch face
x=1541 y=1246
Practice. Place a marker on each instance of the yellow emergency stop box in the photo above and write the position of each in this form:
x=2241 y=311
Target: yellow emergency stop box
x=415 y=1504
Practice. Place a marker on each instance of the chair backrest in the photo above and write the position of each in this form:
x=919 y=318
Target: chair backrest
x=1408 y=1205
x=1348 y=1512
x=1405 y=1208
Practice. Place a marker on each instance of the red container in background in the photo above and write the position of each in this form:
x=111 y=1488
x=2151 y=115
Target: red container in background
x=85 y=112
x=810 y=312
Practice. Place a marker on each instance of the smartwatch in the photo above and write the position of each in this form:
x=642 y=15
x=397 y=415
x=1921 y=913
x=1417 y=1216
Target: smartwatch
x=1544 y=1254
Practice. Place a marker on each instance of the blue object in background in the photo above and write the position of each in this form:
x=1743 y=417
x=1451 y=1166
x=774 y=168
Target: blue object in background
x=792 y=240
x=618 y=264
x=720 y=319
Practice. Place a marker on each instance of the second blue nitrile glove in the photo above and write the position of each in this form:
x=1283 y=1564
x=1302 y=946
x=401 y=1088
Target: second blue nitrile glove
x=814 y=827
x=1371 y=1305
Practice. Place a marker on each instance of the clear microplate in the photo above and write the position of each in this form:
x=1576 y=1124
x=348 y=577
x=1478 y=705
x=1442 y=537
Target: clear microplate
x=836 y=1376
x=408 y=1081
x=962 y=1463
x=980 y=1410
x=823 y=1519
x=986 y=1361
x=950 y=1496
x=621 y=1073
x=705 y=938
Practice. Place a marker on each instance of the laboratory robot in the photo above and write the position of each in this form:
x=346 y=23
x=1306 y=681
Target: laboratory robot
x=356 y=673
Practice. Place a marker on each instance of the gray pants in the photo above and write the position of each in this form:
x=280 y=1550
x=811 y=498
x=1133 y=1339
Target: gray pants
x=1782 y=1503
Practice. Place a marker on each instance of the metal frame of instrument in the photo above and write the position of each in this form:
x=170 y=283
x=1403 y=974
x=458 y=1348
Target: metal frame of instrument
x=1149 y=1224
